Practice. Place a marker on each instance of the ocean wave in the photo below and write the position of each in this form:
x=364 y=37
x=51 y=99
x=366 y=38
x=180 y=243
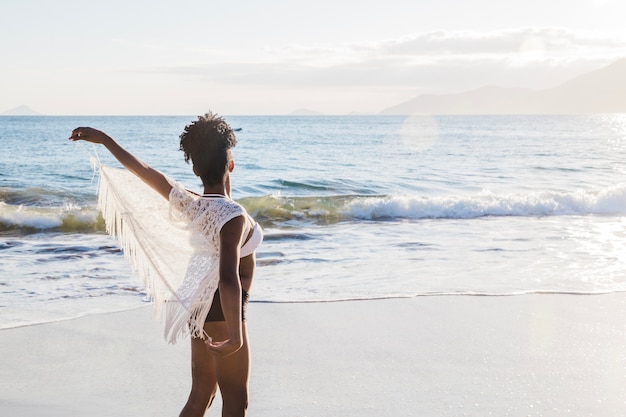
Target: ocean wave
x=42 y=197
x=27 y=219
x=332 y=209
x=322 y=186
x=271 y=210
x=611 y=200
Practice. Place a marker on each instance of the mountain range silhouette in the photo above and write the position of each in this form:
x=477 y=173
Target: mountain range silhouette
x=600 y=91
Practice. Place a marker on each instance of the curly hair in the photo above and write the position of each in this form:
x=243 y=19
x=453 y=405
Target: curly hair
x=207 y=143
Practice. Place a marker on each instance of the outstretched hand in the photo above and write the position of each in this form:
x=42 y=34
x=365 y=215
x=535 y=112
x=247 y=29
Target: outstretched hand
x=223 y=348
x=88 y=134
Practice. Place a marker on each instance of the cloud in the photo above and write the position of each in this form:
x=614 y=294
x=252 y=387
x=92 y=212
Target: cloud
x=504 y=42
x=553 y=42
x=438 y=61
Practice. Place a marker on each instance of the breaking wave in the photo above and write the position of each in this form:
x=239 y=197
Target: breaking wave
x=272 y=210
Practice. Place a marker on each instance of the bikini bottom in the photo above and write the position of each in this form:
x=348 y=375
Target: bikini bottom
x=216 y=313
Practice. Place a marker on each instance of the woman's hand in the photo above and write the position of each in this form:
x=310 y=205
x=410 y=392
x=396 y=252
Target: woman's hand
x=149 y=175
x=224 y=348
x=89 y=134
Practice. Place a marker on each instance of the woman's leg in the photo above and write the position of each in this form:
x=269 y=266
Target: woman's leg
x=203 y=380
x=232 y=372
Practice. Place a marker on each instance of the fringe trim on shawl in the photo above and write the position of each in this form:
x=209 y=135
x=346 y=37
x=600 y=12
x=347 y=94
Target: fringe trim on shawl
x=121 y=223
x=181 y=321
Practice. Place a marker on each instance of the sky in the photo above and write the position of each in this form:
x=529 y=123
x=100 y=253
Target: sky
x=265 y=57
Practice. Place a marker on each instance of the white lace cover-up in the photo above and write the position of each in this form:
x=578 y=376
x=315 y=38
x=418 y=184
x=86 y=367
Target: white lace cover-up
x=173 y=247
x=205 y=216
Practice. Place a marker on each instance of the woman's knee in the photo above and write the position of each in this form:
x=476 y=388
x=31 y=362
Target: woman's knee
x=235 y=404
x=198 y=402
x=203 y=393
x=203 y=387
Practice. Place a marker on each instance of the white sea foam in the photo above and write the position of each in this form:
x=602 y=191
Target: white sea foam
x=43 y=218
x=29 y=217
x=611 y=200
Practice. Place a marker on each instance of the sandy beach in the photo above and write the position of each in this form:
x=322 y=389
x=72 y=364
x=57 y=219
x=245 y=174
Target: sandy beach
x=533 y=355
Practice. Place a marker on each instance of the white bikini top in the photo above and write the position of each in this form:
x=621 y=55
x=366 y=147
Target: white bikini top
x=253 y=243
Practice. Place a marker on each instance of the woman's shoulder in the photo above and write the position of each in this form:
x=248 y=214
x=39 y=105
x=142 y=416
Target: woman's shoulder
x=179 y=190
x=224 y=209
x=230 y=205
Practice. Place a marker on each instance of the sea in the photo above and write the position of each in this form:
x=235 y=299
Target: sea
x=353 y=207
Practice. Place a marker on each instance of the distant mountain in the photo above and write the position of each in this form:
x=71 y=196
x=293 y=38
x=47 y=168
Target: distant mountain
x=600 y=91
x=20 y=111
x=305 y=112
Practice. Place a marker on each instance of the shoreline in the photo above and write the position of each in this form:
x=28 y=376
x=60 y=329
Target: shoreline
x=538 y=354
x=148 y=305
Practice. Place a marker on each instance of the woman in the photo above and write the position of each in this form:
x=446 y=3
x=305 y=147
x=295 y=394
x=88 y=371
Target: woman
x=220 y=273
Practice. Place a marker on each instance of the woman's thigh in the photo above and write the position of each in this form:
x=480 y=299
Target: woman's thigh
x=203 y=372
x=233 y=371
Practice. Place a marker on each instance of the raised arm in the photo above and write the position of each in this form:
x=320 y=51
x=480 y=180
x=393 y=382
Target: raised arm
x=149 y=175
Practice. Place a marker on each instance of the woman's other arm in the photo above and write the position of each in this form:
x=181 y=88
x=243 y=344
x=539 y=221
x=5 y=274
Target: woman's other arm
x=149 y=175
x=230 y=287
